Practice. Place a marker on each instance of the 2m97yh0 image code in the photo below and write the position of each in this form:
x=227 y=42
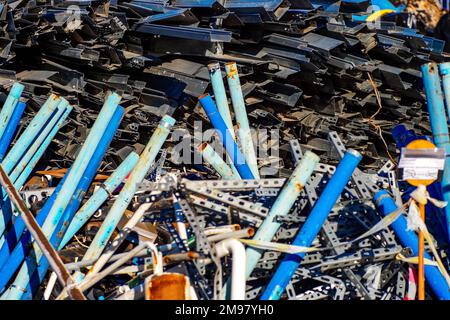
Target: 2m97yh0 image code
x=245 y=309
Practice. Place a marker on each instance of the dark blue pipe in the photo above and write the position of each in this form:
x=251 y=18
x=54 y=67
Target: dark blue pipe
x=5 y=140
x=313 y=224
x=409 y=239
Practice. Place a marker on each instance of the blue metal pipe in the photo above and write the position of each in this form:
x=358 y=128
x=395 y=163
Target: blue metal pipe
x=282 y=206
x=42 y=147
x=5 y=140
x=39 y=273
x=29 y=135
x=409 y=239
x=23 y=143
x=146 y=159
x=444 y=69
x=217 y=162
x=313 y=224
x=9 y=105
x=16 y=229
x=22 y=164
x=27 y=269
x=438 y=121
x=79 y=166
x=100 y=196
x=227 y=140
x=240 y=112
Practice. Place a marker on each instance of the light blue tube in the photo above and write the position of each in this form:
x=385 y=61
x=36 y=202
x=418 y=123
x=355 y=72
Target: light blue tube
x=240 y=112
x=444 y=69
x=23 y=176
x=30 y=167
x=24 y=142
x=215 y=74
x=100 y=196
x=409 y=239
x=78 y=169
x=30 y=133
x=146 y=159
x=80 y=164
x=10 y=105
x=27 y=270
x=11 y=128
x=313 y=224
x=227 y=140
x=217 y=162
x=438 y=121
x=21 y=165
x=282 y=206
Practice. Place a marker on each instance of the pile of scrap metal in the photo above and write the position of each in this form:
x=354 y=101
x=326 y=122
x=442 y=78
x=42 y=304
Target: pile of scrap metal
x=113 y=188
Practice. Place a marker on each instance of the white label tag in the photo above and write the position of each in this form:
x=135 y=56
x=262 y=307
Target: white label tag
x=421 y=164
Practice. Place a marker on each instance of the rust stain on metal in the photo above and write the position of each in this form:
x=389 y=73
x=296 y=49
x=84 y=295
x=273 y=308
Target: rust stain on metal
x=298 y=186
x=168 y=286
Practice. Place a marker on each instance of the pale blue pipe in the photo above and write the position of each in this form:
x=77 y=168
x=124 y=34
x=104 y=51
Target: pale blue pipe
x=10 y=105
x=5 y=142
x=409 y=239
x=11 y=128
x=146 y=159
x=23 y=176
x=24 y=142
x=438 y=121
x=62 y=107
x=80 y=164
x=240 y=112
x=216 y=161
x=78 y=169
x=282 y=206
x=215 y=74
x=313 y=224
x=444 y=69
x=27 y=269
x=30 y=167
x=220 y=96
x=29 y=135
x=99 y=196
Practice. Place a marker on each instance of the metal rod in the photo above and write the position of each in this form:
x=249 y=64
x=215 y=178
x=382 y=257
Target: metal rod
x=40 y=238
x=244 y=233
x=421 y=266
x=225 y=136
x=283 y=204
x=408 y=238
x=240 y=112
x=313 y=224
